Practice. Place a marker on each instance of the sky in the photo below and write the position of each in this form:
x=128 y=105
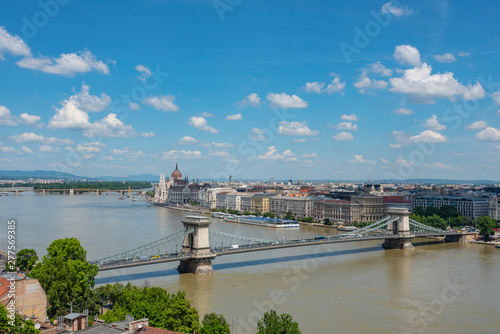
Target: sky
x=306 y=90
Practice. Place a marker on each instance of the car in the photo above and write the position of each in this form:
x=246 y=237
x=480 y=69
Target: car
x=155 y=257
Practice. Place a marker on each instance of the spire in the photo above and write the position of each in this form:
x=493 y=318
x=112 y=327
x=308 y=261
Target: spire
x=176 y=165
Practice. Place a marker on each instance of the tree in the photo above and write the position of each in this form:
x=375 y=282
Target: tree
x=289 y=215
x=26 y=259
x=431 y=211
x=436 y=222
x=307 y=219
x=67 y=277
x=486 y=226
x=449 y=211
x=419 y=211
x=214 y=323
x=272 y=323
x=20 y=326
x=165 y=310
x=150 y=194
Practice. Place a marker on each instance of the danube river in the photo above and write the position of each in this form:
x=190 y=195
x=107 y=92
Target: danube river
x=341 y=288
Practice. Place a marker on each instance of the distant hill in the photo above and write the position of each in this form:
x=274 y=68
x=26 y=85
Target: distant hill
x=38 y=174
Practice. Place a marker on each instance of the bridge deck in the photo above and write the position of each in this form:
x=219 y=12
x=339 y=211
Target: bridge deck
x=262 y=247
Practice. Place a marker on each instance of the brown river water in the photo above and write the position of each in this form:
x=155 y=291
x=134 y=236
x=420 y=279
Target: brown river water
x=340 y=288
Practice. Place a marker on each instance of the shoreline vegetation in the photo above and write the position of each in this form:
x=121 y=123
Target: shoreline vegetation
x=93 y=185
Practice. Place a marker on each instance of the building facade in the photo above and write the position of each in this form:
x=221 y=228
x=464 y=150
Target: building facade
x=176 y=190
x=470 y=206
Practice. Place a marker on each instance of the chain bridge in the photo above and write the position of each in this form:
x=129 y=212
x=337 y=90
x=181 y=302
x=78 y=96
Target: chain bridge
x=197 y=245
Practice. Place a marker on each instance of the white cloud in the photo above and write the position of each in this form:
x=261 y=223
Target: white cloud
x=224 y=155
x=33 y=137
x=309 y=155
x=440 y=165
x=489 y=134
x=90 y=103
x=445 y=58
x=13 y=45
x=6 y=149
x=365 y=84
x=314 y=87
x=300 y=140
x=390 y=8
x=403 y=162
x=145 y=72
x=134 y=106
x=110 y=126
x=187 y=140
x=384 y=161
x=27 y=150
x=433 y=124
x=92 y=147
x=360 y=159
x=286 y=101
x=175 y=154
x=496 y=97
x=49 y=149
x=129 y=154
x=236 y=117
x=380 y=69
x=165 y=103
x=252 y=100
x=348 y=126
x=403 y=111
x=68 y=64
x=429 y=136
x=5 y=116
x=351 y=117
x=464 y=54
x=343 y=136
x=295 y=129
x=201 y=124
x=258 y=134
x=272 y=155
x=148 y=134
x=206 y=114
x=478 y=125
x=420 y=86
x=32 y=120
x=395 y=145
x=407 y=54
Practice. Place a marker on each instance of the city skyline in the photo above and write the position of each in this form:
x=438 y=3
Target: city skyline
x=351 y=91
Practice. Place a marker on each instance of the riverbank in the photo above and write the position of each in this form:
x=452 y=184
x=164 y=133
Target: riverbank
x=180 y=208
x=491 y=243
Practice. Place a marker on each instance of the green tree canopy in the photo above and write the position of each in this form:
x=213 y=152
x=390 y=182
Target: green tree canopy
x=272 y=323
x=67 y=277
x=487 y=226
x=289 y=215
x=214 y=323
x=26 y=259
x=20 y=326
x=449 y=211
x=165 y=310
x=419 y=211
x=437 y=222
x=431 y=211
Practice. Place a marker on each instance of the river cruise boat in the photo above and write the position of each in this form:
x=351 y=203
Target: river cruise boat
x=347 y=228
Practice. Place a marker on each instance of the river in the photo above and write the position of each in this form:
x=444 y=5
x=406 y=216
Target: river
x=341 y=288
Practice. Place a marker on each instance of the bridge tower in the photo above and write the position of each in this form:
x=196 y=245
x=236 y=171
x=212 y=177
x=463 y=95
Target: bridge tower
x=43 y=192
x=197 y=246
x=400 y=229
x=72 y=191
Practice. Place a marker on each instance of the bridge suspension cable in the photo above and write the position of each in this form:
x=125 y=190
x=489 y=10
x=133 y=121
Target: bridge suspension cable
x=425 y=227
x=221 y=239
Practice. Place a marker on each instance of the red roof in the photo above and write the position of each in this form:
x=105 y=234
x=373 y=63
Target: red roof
x=4 y=286
x=152 y=330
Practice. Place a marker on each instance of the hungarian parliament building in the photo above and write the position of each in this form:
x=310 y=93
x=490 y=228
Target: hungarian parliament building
x=176 y=190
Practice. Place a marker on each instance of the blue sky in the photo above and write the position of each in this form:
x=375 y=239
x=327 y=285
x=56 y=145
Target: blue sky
x=307 y=89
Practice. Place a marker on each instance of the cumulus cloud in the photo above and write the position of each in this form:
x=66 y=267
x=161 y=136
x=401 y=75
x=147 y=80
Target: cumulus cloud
x=394 y=9
x=420 y=86
x=134 y=106
x=478 y=125
x=164 y=103
x=496 y=97
x=365 y=84
x=223 y=155
x=67 y=64
x=175 y=154
x=6 y=149
x=49 y=149
x=92 y=147
x=351 y=117
x=13 y=45
x=128 y=154
x=336 y=86
x=403 y=111
x=348 y=126
x=32 y=120
x=433 y=124
x=252 y=100
x=343 y=136
x=429 y=136
x=407 y=55
x=299 y=140
x=295 y=129
x=28 y=137
x=309 y=155
x=236 y=117
x=378 y=68
x=445 y=58
x=273 y=155
x=27 y=150
x=111 y=126
x=5 y=116
x=187 y=140
x=258 y=134
x=206 y=114
x=286 y=101
x=359 y=159
x=489 y=134
x=145 y=72
x=200 y=123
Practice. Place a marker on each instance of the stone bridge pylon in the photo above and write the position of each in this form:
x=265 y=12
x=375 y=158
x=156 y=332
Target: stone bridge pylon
x=196 y=245
x=400 y=229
